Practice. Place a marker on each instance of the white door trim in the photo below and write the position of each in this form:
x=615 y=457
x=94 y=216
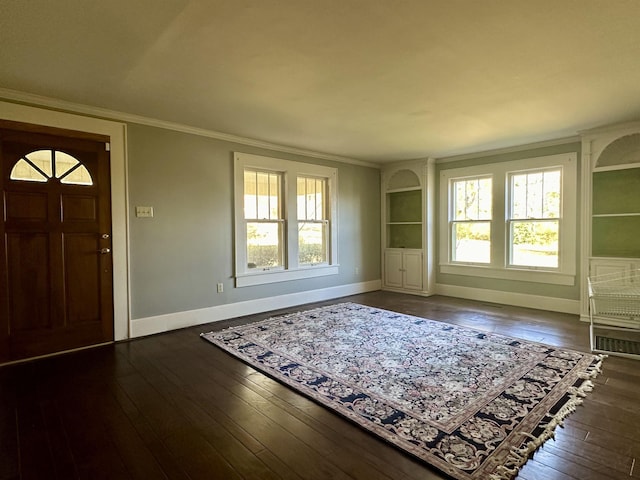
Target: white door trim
x=119 y=197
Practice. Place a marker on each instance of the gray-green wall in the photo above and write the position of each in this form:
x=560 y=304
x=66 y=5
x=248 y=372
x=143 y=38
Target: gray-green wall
x=178 y=256
x=530 y=288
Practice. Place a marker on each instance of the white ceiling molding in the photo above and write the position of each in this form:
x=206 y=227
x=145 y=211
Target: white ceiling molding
x=519 y=148
x=106 y=114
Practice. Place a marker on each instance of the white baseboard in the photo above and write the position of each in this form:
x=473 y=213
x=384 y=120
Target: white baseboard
x=164 y=323
x=508 y=298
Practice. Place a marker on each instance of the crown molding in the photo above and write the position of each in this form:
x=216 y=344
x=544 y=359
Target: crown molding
x=35 y=100
x=513 y=149
x=613 y=127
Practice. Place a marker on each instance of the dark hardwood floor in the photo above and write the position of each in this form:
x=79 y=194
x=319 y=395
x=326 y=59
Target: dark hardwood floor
x=173 y=406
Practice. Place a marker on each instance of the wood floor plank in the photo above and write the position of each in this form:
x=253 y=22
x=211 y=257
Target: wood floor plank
x=598 y=436
x=599 y=459
x=35 y=457
x=391 y=462
x=94 y=452
x=288 y=446
x=576 y=466
x=9 y=463
x=228 y=446
x=252 y=408
x=61 y=452
x=534 y=470
x=337 y=449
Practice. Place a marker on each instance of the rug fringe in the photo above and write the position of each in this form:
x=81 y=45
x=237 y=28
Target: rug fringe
x=519 y=455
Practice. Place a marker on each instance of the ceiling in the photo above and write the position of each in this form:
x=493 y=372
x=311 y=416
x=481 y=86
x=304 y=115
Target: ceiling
x=373 y=80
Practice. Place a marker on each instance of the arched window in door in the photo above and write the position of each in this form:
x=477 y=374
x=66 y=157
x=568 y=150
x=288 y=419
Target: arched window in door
x=42 y=165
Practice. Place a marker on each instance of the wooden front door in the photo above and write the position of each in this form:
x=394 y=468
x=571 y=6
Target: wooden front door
x=56 y=284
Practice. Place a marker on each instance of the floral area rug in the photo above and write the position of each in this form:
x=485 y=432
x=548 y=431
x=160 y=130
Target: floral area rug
x=474 y=405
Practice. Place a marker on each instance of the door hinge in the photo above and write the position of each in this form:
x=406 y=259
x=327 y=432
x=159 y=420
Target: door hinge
x=107 y=147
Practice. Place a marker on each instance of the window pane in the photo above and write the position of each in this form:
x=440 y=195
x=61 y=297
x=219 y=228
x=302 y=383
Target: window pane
x=460 y=202
x=63 y=163
x=274 y=196
x=536 y=195
x=519 y=196
x=535 y=244
x=485 y=199
x=264 y=244
x=262 y=181
x=312 y=248
x=42 y=160
x=471 y=242
x=551 y=195
x=23 y=170
x=301 y=198
x=78 y=176
x=472 y=199
x=250 y=194
x=320 y=199
x=261 y=195
x=310 y=199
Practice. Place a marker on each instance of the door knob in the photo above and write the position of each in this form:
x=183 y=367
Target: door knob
x=104 y=251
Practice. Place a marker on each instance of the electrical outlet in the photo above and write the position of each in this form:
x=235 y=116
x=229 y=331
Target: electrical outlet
x=357 y=270
x=220 y=287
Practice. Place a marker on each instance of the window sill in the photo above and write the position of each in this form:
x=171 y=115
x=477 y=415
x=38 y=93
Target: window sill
x=522 y=275
x=262 y=277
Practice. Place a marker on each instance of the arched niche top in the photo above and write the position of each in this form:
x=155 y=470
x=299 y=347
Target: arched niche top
x=403 y=179
x=624 y=150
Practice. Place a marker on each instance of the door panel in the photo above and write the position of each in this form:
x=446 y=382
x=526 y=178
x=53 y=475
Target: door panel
x=81 y=261
x=79 y=208
x=57 y=288
x=26 y=206
x=28 y=276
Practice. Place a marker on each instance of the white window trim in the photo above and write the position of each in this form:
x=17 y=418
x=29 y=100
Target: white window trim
x=498 y=268
x=291 y=170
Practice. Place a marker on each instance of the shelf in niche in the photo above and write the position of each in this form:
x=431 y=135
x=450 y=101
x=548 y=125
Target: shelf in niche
x=400 y=190
x=605 y=215
x=405 y=206
x=404 y=235
x=615 y=236
x=628 y=166
x=616 y=192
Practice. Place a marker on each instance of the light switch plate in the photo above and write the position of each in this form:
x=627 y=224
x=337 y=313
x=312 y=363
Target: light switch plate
x=144 y=211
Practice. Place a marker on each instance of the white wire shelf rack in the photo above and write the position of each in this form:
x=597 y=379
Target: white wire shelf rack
x=614 y=305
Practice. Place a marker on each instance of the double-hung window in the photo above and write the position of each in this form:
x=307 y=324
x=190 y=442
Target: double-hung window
x=534 y=218
x=313 y=224
x=471 y=220
x=511 y=220
x=263 y=219
x=285 y=220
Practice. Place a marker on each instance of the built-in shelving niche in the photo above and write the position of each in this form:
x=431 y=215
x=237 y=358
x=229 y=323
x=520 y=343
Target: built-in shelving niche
x=615 y=219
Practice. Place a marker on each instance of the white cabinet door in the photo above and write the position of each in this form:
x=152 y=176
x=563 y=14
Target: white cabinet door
x=412 y=266
x=393 y=268
x=403 y=269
